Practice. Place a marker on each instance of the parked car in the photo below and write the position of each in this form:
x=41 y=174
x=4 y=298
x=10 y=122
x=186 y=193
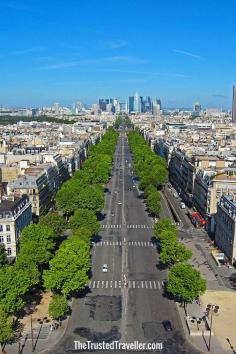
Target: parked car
x=167 y=325
x=182 y=205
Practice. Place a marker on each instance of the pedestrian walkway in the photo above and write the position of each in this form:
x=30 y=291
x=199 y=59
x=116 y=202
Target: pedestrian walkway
x=129 y=243
x=131 y=284
x=119 y=226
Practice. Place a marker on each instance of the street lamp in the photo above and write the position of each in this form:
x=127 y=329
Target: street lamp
x=210 y=309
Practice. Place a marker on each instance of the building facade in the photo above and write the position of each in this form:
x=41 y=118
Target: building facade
x=225 y=236
x=15 y=214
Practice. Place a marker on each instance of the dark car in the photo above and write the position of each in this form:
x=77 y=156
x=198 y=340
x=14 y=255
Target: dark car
x=167 y=325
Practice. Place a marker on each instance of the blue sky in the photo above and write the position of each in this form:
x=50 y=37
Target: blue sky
x=61 y=51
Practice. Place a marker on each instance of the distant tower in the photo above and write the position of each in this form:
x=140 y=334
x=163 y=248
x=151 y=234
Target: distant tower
x=234 y=106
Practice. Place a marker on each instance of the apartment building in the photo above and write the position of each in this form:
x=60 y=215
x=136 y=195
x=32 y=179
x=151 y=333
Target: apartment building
x=36 y=185
x=15 y=214
x=225 y=236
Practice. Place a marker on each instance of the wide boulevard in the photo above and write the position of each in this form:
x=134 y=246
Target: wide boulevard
x=125 y=304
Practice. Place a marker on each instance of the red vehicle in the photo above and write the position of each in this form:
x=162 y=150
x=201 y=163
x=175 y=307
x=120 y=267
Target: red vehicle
x=197 y=219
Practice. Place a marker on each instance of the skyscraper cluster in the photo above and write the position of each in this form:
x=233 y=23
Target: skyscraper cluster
x=136 y=104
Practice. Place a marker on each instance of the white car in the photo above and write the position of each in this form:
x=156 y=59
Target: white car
x=104 y=268
x=119 y=203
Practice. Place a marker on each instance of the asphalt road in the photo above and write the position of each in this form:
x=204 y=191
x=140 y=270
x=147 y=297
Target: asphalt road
x=125 y=304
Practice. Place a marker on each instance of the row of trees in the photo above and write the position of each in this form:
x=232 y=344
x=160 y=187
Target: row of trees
x=184 y=281
x=85 y=189
x=37 y=246
x=45 y=258
x=81 y=199
x=151 y=170
x=123 y=121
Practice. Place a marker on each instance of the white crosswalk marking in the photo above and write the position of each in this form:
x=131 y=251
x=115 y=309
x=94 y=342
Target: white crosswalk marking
x=132 y=284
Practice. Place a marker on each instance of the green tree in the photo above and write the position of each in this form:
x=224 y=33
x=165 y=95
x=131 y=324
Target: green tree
x=68 y=195
x=58 y=307
x=185 y=282
x=3 y=255
x=83 y=233
x=164 y=224
x=68 y=271
x=6 y=327
x=167 y=237
x=154 y=202
x=91 y=198
x=55 y=221
x=25 y=264
x=174 y=252
x=85 y=218
x=37 y=243
x=14 y=284
x=149 y=190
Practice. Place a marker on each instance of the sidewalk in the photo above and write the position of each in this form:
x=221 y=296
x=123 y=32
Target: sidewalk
x=223 y=324
x=217 y=277
x=43 y=338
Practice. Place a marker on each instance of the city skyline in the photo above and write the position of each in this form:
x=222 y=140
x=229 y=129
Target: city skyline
x=53 y=52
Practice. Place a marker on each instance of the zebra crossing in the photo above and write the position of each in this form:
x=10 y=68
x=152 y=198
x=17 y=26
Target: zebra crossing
x=120 y=243
x=119 y=226
x=131 y=284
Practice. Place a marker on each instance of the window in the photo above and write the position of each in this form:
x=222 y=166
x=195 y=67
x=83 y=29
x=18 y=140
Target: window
x=9 y=251
x=1 y=228
x=1 y=239
x=8 y=238
x=8 y=228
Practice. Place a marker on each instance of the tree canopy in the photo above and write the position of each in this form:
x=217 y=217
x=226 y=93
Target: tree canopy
x=58 y=306
x=185 y=282
x=37 y=243
x=14 y=284
x=174 y=252
x=6 y=326
x=151 y=168
x=84 y=218
x=68 y=270
x=55 y=222
x=3 y=255
x=164 y=224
